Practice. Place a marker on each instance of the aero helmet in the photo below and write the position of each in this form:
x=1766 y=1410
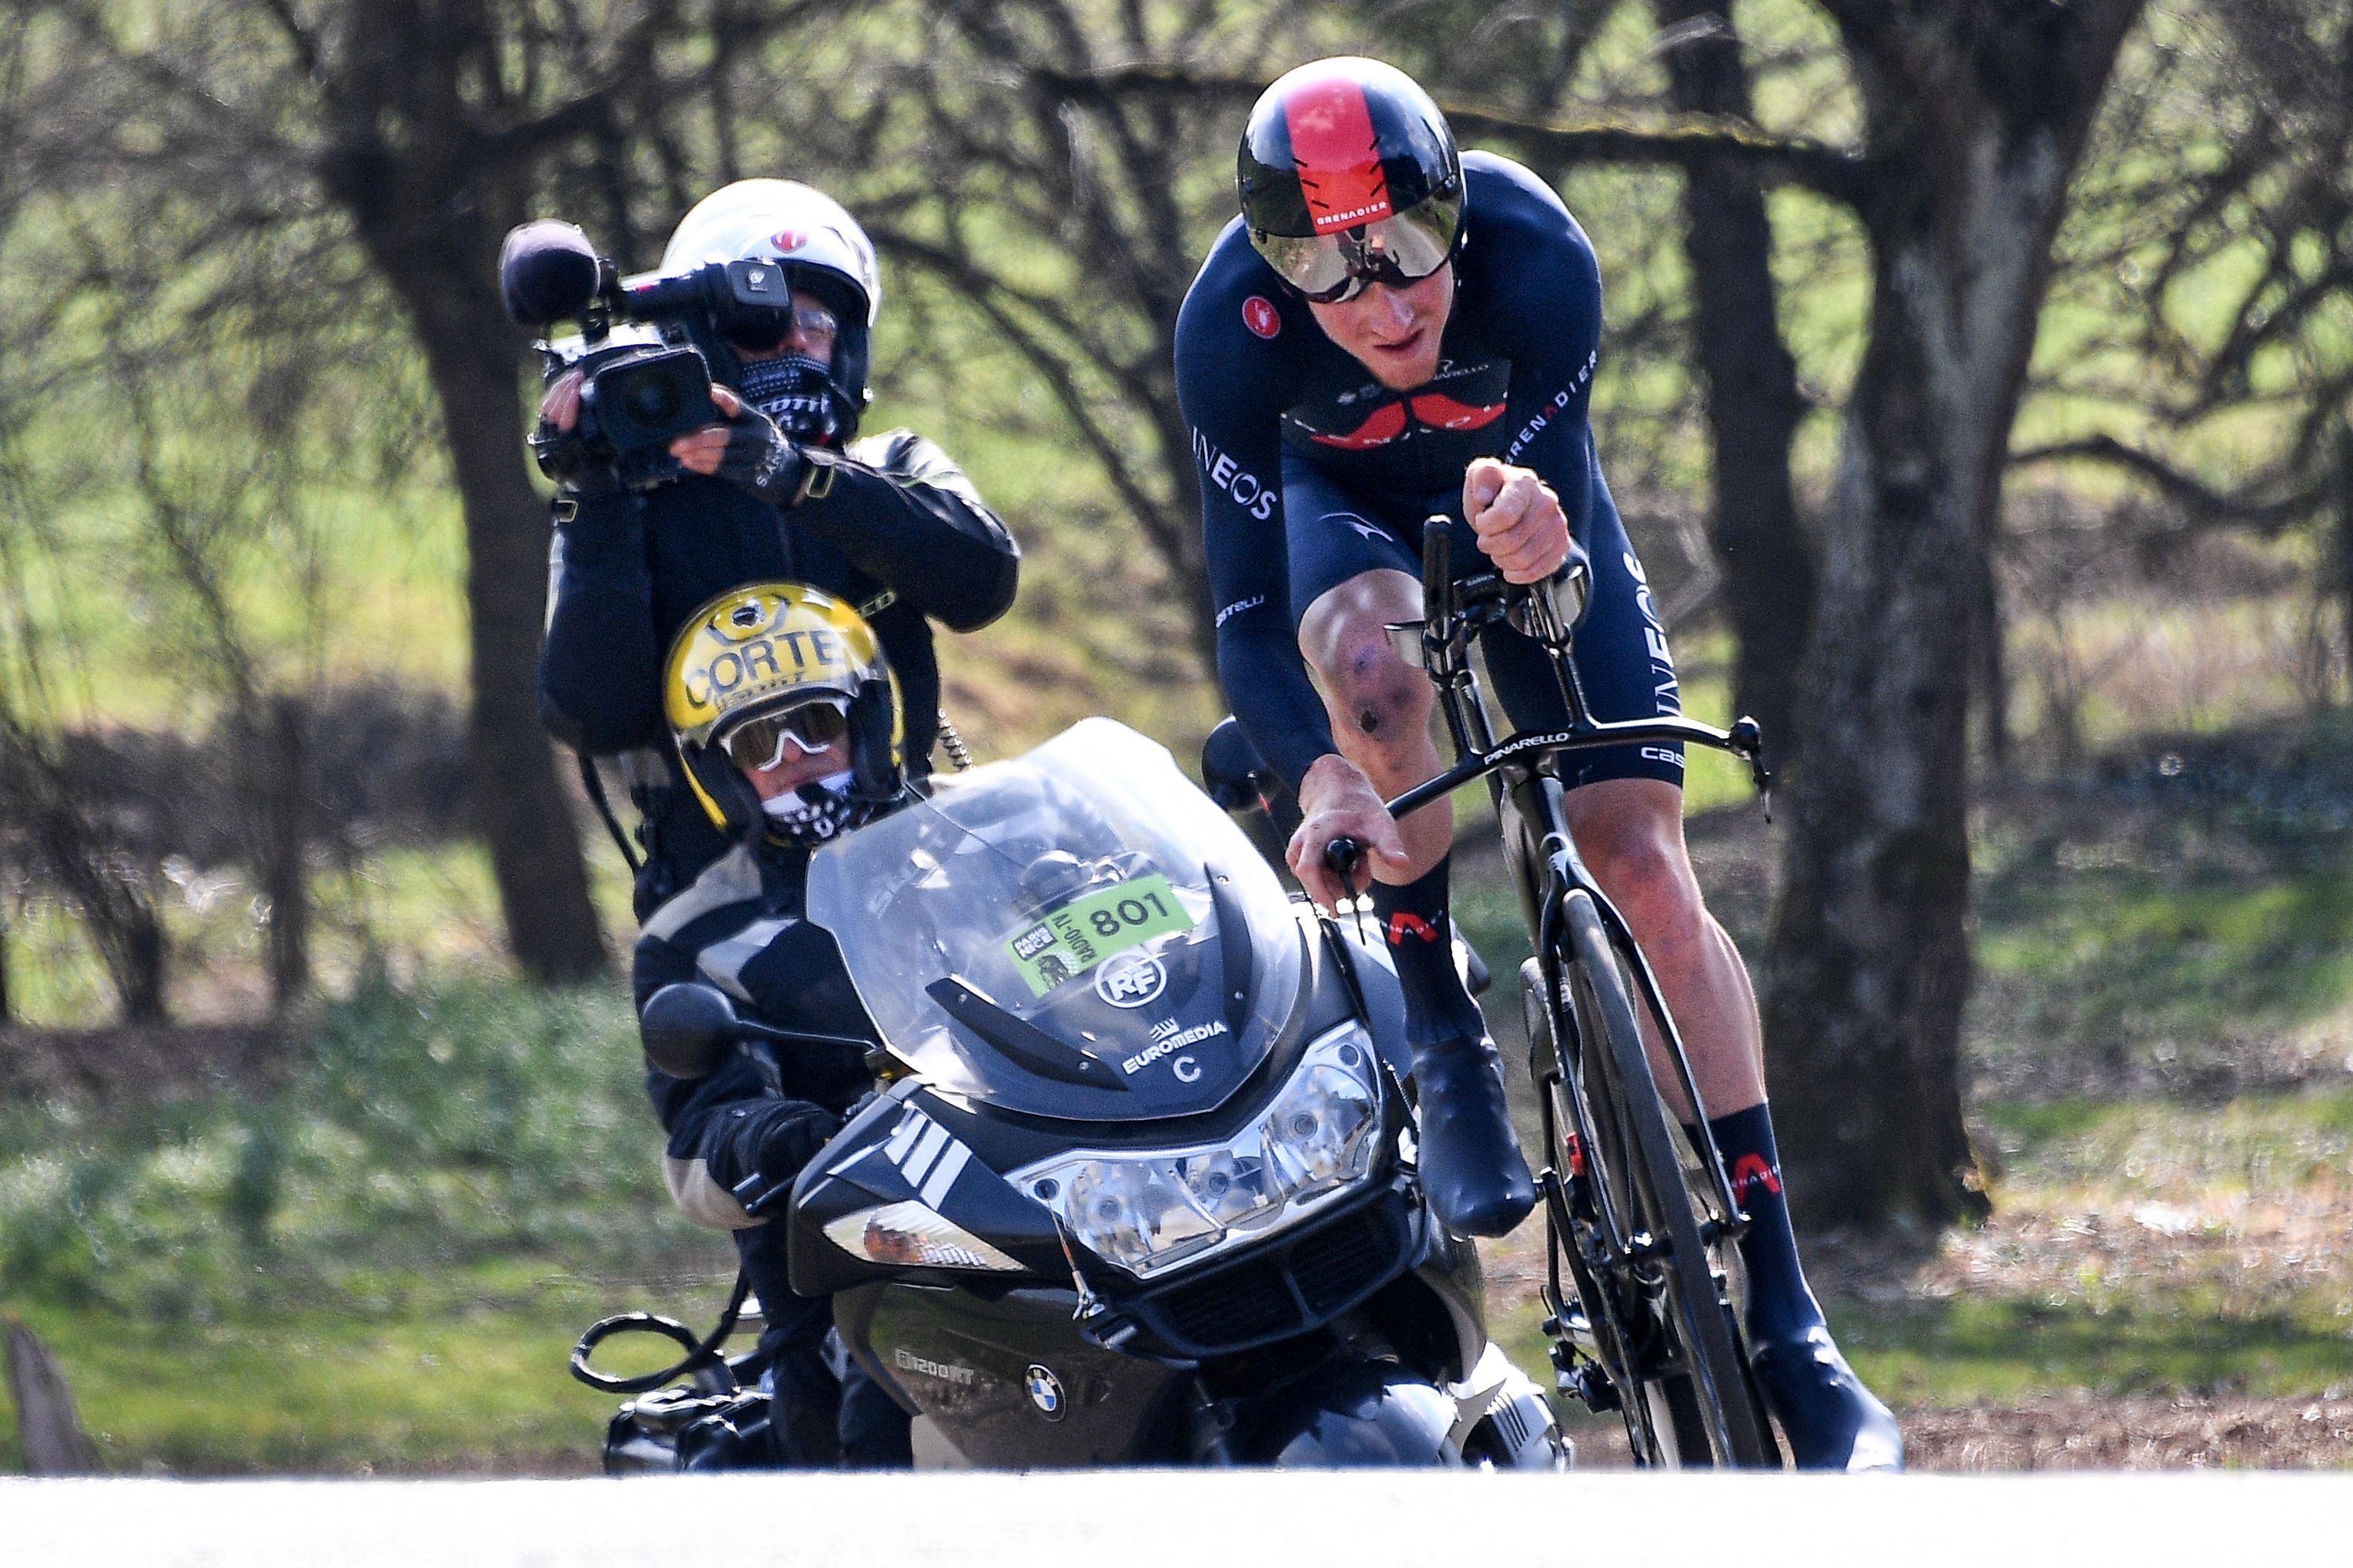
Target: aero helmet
x=774 y=666
x=1348 y=176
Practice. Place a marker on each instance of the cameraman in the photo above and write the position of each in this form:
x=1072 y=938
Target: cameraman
x=781 y=490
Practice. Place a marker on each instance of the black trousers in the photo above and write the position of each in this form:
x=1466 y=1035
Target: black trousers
x=826 y=1412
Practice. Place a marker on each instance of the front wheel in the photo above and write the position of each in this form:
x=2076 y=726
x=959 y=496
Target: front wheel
x=1695 y=1390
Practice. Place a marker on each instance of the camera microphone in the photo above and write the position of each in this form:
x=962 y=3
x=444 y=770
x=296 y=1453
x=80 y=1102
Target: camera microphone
x=547 y=272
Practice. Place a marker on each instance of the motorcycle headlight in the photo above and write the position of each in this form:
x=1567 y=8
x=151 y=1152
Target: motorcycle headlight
x=1146 y=1210
x=1322 y=1131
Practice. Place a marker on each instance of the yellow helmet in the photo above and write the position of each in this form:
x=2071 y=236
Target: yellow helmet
x=766 y=649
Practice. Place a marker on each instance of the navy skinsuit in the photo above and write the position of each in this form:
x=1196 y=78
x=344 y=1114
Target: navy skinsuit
x=1311 y=472
x=898 y=519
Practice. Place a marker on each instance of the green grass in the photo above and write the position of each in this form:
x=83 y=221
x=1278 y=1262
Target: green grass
x=469 y=1372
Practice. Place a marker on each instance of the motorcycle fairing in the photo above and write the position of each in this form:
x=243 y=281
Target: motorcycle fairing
x=1160 y=1003
x=868 y=1162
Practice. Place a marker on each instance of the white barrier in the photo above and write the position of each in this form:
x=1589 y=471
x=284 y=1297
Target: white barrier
x=1186 y=1519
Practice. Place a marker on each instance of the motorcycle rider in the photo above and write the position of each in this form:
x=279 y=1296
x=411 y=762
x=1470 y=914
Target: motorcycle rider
x=789 y=730
x=781 y=490
x=1391 y=330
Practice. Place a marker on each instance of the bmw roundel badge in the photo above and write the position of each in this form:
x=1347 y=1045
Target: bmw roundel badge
x=1045 y=1391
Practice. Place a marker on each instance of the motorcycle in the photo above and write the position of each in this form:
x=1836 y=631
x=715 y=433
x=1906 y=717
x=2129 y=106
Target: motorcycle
x=1138 y=1184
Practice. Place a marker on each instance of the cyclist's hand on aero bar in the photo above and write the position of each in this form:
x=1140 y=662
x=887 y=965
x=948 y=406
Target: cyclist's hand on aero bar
x=1517 y=518
x=1337 y=801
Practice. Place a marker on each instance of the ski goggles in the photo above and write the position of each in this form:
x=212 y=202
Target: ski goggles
x=761 y=744
x=1404 y=247
x=761 y=327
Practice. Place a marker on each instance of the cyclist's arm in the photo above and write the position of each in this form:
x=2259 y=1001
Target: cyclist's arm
x=1238 y=448
x=1541 y=289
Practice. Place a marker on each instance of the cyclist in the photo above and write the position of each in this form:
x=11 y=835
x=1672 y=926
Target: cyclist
x=789 y=730
x=1388 y=331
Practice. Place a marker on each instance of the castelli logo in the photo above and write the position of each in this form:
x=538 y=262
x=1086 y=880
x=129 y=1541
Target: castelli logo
x=1259 y=315
x=788 y=239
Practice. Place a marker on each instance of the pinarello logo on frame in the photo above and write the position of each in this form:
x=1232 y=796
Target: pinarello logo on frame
x=1259 y=316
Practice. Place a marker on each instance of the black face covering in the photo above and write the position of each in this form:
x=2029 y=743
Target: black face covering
x=797 y=392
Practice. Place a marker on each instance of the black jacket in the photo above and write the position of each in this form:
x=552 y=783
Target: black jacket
x=740 y=926
x=898 y=532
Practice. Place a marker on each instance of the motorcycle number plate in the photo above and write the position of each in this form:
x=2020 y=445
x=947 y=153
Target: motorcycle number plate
x=1071 y=940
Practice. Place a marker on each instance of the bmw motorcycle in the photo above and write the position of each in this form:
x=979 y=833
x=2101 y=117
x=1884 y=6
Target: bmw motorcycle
x=1139 y=1185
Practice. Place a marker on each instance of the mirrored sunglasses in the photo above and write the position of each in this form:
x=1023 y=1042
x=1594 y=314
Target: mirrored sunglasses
x=1402 y=249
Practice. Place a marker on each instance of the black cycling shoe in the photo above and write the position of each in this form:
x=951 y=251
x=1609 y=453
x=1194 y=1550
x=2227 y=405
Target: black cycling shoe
x=1832 y=1421
x=1470 y=1163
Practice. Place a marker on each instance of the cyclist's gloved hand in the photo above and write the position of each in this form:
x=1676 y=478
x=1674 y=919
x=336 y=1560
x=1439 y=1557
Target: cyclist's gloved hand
x=1518 y=520
x=1337 y=801
x=748 y=451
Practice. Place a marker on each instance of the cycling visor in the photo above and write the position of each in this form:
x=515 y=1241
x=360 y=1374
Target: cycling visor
x=1401 y=248
x=760 y=743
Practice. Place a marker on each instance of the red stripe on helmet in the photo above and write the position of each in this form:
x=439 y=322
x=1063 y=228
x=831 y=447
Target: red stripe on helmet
x=1338 y=156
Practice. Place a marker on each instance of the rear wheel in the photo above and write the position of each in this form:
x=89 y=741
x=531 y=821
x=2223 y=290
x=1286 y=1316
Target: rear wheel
x=1679 y=1349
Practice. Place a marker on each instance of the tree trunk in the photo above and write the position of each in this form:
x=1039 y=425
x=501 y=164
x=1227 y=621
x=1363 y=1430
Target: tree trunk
x=1976 y=118
x=1753 y=406
x=543 y=877
x=419 y=179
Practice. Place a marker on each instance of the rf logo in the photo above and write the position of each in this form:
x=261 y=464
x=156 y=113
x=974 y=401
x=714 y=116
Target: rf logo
x=1259 y=316
x=1130 y=979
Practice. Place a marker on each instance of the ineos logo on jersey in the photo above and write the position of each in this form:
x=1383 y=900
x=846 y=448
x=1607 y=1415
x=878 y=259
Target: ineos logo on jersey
x=1130 y=979
x=1246 y=487
x=1259 y=316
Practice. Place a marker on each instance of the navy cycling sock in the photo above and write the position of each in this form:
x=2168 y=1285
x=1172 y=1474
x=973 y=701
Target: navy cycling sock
x=1780 y=1304
x=1415 y=924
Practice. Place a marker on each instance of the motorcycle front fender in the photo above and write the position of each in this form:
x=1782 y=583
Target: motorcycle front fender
x=1351 y=1416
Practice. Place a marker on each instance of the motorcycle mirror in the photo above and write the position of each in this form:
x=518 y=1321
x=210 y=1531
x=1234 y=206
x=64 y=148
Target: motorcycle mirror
x=683 y=1027
x=1231 y=769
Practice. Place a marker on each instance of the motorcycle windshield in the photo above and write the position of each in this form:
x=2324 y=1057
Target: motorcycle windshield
x=1079 y=932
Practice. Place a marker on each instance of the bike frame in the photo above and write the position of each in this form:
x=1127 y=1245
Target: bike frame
x=1537 y=844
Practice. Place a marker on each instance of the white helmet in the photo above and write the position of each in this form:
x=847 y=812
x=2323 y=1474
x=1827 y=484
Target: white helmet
x=782 y=221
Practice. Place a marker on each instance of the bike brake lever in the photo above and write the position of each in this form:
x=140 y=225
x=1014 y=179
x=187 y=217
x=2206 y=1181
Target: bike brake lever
x=1747 y=738
x=1341 y=858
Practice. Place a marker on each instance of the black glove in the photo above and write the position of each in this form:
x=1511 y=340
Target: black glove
x=766 y=1143
x=760 y=461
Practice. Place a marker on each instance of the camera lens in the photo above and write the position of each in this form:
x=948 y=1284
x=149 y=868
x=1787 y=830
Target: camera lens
x=650 y=398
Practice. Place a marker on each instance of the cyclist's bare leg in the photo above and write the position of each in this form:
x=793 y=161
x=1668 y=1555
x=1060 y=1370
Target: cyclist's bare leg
x=1379 y=705
x=1630 y=835
x=1471 y=1161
